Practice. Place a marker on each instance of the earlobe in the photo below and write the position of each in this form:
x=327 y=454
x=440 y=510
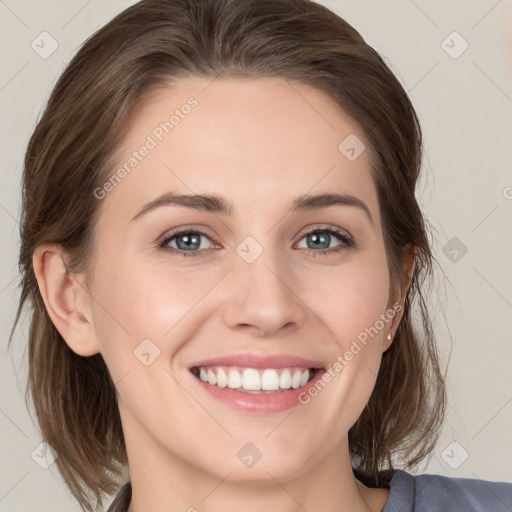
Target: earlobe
x=387 y=344
x=65 y=298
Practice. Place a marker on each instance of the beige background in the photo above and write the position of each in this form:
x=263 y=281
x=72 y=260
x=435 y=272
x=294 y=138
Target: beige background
x=465 y=106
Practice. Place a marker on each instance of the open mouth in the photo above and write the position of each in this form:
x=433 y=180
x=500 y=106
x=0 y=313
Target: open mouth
x=255 y=380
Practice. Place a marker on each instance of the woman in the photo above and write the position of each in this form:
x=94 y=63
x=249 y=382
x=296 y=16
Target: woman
x=278 y=367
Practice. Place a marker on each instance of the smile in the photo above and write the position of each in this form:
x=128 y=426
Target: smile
x=256 y=391
x=252 y=380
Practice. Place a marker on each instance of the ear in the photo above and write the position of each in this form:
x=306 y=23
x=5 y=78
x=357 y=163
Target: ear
x=66 y=299
x=408 y=270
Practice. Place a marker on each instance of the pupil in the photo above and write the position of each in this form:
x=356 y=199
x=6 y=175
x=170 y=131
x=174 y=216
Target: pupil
x=317 y=237
x=189 y=240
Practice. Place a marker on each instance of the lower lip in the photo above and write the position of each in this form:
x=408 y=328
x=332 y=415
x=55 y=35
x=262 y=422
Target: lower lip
x=259 y=403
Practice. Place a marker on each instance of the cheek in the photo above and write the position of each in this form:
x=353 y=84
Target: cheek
x=135 y=303
x=349 y=301
x=350 y=305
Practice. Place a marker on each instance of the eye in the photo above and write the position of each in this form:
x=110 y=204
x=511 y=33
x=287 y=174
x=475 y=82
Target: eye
x=321 y=239
x=189 y=242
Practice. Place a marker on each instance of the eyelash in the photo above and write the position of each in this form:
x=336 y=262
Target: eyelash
x=347 y=242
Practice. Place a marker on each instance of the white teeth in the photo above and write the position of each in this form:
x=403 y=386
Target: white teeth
x=234 y=379
x=296 y=379
x=253 y=380
x=270 y=380
x=304 y=378
x=285 y=381
x=212 y=378
x=222 y=378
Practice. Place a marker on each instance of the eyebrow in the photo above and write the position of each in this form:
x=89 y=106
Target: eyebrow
x=217 y=204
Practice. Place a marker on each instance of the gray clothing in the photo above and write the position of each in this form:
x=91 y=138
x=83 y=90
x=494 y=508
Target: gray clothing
x=436 y=493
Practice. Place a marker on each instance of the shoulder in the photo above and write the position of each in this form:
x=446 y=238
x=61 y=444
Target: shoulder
x=122 y=500
x=432 y=493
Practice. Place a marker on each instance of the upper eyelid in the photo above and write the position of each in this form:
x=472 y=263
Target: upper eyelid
x=310 y=229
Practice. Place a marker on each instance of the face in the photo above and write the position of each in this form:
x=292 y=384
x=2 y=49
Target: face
x=253 y=281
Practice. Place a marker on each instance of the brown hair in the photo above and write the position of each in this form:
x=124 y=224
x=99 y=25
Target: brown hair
x=69 y=154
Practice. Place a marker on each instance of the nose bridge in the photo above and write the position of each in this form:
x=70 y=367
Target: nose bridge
x=262 y=292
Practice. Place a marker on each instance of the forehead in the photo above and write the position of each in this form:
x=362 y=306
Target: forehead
x=260 y=142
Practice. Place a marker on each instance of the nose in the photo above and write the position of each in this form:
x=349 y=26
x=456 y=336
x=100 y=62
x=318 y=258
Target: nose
x=262 y=297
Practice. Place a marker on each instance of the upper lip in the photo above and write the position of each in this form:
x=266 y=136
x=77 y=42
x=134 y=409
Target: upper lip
x=248 y=360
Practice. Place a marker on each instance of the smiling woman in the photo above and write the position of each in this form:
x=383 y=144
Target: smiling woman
x=277 y=368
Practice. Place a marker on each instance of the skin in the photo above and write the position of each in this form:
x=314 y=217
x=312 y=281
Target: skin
x=260 y=143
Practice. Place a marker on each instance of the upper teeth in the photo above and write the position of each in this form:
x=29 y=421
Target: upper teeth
x=251 y=379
